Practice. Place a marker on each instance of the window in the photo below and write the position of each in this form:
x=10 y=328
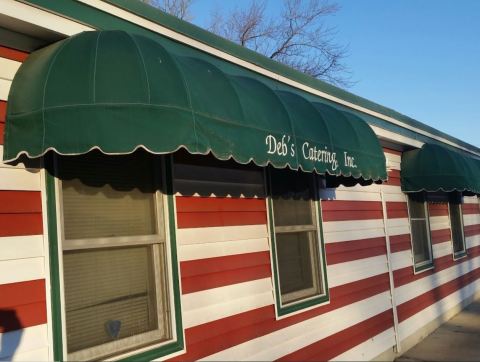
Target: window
x=420 y=229
x=456 y=222
x=297 y=245
x=117 y=279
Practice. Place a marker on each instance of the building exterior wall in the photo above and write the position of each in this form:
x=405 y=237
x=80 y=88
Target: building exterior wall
x=23 y=306
x=223 y=238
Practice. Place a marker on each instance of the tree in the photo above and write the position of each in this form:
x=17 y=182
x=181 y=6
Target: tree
x=298 y=37
x=178 y=8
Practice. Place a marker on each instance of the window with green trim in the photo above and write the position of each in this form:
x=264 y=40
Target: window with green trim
x=117 y=275
x=456 y=223
x=420 y=231
x=297 y=242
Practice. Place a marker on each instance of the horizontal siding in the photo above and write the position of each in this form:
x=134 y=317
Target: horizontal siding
x=216 y=272
x=344 y=340
x=22 y=305
x=335 y=210
x=12 y=54
x=28 y=344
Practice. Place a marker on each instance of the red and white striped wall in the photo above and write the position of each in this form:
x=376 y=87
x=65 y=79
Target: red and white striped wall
x=23 y=312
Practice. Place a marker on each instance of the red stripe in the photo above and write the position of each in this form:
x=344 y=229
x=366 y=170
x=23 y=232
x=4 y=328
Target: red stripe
x=20 y=202
x=397 y=209
x=211 y=219
x=212 y=337
x=217 y=204
x=3 y=111
x=335 y=210
x=400 y=243
x=345 y=251
x=217 y=272
x=2 y=132
x=471 y=208
x=472 y=230
x=12 y=54
x=438 y=209
x=417 y=304
x=393 y=178
x=405 y=275
x=338 y=205
x=344 y=340
x=440 y=236
x=195 y=212
x=22 y=305
x=21 y=224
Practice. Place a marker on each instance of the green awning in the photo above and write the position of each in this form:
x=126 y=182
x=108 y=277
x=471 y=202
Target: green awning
x=437 y=168
x=115 y=91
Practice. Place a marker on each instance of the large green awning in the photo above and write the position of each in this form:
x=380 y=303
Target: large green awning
x=436 y=168
x=115 y=91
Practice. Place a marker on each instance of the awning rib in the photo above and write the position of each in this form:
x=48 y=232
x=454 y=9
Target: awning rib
x=119 y=92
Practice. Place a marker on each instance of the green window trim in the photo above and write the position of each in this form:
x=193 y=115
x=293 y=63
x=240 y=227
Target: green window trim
x=307 y=303
x=56 y=300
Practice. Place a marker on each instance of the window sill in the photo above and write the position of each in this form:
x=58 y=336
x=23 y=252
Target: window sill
x=459 y=255
x=417 y=269
x=301 y=306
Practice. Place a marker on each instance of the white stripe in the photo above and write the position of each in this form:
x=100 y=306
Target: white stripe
x=19 y=179
x=220 y=233
x=352 y=225
x=348 y=195
x=123 y=14
x=369 y=349
x=403 y=259
x=392 y=189
x=352 y=271
x=28 y=339
x=290 y=339
x=393 y=158
x=213 y=304
x=350 y=235
x=21 y=247
x=20 y=270
x=414 y=289
x=439 y=222
x=471 y=219
x=221 y=248
x=395 y=197
x=4 y=89
x=8 y=68
x=472 y=241
x=421 y=319
x=471 y=200
x=397 y=223
x=41 y=18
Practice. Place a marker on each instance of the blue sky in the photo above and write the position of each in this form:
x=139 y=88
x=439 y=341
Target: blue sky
x=419 y=57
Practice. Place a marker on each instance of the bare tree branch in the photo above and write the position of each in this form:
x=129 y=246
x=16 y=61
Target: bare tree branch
x=178 y=8
x=298 y=38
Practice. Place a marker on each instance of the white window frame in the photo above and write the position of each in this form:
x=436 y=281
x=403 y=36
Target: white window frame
x=161 y=203
x=426 y=264
x=282 y=308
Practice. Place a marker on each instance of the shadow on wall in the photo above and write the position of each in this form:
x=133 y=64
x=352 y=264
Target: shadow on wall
x=10 y=333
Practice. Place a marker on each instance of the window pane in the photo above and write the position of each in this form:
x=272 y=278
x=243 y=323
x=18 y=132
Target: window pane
x=457 y=228
x=108 y=196
x=420 y=240
x=416 y=206
x=110 y=295
x=92 y=212
x=292 y=194
x=298 y=260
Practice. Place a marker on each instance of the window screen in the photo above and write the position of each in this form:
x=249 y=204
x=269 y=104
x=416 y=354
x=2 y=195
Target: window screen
x=420 y=229
x=116 y=295
x=296 y=235
x=456 y=222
